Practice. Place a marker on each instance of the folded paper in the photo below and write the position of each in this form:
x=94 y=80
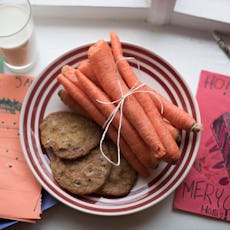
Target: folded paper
x=20 y=193
x=48 y=201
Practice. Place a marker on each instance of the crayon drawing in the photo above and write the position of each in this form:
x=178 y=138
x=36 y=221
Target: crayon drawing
x=20 y=193
x=10 y=106
x=206 y=188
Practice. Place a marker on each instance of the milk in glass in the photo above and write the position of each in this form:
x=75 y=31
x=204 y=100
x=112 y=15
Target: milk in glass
x=17 y=42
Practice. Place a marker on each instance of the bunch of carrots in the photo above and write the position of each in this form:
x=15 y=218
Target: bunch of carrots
x=147 y=135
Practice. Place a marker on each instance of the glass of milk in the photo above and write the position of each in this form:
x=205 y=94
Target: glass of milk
x=17 y=40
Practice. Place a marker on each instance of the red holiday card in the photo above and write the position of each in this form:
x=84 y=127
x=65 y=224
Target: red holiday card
x=206 y=189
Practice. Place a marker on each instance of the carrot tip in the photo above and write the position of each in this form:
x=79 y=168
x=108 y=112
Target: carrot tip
x=178 y=139
x=174 y=162
x=59 y=92
x=197 y=127
x=156 y=165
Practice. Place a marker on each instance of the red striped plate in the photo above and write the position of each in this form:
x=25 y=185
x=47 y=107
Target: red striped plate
x=42 y=99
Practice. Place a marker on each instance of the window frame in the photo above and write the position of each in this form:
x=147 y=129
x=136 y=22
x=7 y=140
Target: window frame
x=88 y=9
x=170 y=17
x=155 y=12
x=93 y=3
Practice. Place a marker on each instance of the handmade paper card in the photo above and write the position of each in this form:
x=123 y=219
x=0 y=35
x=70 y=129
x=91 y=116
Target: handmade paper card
x=206 y=189
x=47 y=202
x=20 y=193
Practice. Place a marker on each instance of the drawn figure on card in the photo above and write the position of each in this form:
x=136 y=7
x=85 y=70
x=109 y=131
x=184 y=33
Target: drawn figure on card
x=221 y=131
x=10 y=106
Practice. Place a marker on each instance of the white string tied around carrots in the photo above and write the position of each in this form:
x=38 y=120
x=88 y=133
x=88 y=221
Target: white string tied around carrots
x=119 y=107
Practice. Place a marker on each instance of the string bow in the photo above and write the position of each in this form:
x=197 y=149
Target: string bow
x=119 y=107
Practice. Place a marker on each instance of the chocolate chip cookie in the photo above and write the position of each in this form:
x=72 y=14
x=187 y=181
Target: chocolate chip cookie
x=122 y=178
x=68 y=134
x=84 y=175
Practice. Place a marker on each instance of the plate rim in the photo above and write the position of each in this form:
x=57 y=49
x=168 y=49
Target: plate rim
x=166 y=194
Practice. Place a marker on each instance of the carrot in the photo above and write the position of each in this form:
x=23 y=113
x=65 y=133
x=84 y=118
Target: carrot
x=175 y=132
x=104 y=67
x=85 y=68
x=177 y=117
x=99 y=118
x=71 y=103
x=172 y=150
x=68 y=100
x=127 y=131
x=116 y=46
x=69 y=71
x=143 y=153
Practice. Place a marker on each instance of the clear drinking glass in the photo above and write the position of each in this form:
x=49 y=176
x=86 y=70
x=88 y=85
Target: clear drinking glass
x=17 y=39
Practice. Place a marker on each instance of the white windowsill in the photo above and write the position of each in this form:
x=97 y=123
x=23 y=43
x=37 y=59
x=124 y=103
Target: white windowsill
x=128 y=10
x=217 y=10
x=189 y=51
x=86 y=12
x=93 y=3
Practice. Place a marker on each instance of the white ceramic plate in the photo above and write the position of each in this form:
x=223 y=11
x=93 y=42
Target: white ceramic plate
x=42 y=99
